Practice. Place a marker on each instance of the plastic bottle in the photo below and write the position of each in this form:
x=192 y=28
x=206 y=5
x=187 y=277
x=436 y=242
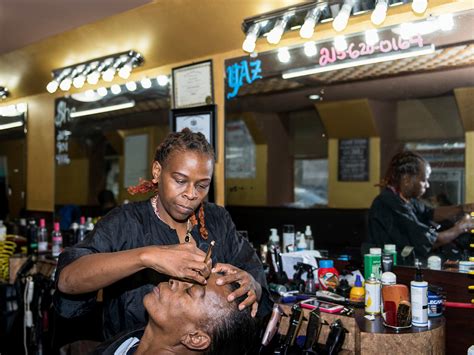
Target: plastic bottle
x=89 y=224
x=301 y=242
x=373 y=263
x=357 y=291
x=288 y=237
x=42 y=238
x=274 y=239
x=32 y=238
x=419 y=299
x=328 y=275
x=391 y=249
x=310 y=287
x=73 y=238
x=81 y=232
x=57 y=241
x=308 y=234
x=3 y=231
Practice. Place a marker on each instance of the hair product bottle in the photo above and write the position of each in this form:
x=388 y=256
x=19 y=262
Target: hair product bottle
x=419 y=299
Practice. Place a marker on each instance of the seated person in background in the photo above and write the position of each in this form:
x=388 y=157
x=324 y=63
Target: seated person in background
x=397 y=216
x=187 y=318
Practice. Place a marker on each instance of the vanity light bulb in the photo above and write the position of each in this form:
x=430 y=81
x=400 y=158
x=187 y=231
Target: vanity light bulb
x=108 y=75
x=65 y=84
x=124 y=72
x=52 y=86
x=340 y=43
x=307 y=30
x=79 y=81
x=249 y=43
x=340 y=22
x=275 y=35
x=93 y=78
x=419 y=6
x=284 y=55
x=379 y=13
x=162 y=80
x=146 y=83
x=102 y=91
x=115 y=89
x=310 y=49
x=371 y=37
x=131 y=86
x=89 y=93
x=446 y=22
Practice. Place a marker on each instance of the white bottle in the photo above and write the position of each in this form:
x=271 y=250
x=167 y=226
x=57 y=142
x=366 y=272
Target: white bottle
x=3 y=231
x=301 y=242
x=274 y=238
x=309 y=238
x=288 y=237
x=419 y=299
x=42 y=238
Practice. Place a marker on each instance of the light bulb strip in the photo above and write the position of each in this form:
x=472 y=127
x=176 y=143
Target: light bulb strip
x=102 y=109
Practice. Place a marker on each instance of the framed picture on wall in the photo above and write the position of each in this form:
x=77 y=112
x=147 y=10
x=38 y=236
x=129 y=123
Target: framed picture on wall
x=193 y=85
x=198 y=119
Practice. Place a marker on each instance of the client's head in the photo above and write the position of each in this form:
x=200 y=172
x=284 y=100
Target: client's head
x=192 y=317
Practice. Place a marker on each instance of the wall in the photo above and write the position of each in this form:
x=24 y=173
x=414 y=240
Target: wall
x=14 y=151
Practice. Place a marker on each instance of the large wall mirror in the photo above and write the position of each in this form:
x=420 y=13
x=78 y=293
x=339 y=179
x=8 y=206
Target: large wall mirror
x=105 y=141
x=12 y=160
x=301 y=118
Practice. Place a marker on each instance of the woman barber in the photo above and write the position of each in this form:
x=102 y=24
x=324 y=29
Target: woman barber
x=138 y=245
x=397 y=216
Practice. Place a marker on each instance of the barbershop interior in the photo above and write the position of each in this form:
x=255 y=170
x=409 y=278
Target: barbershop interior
x=302 y=179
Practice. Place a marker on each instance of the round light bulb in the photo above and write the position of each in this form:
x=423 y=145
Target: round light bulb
x=131 y=86
x=79 y=81
x=125 y=71
x=249 y=43
x=65 y=85
x=108 y=75
x=419 y=6
x=307 y=30
x=379 y=13
x=93 y=78
x=162 y=80
x=284 y=55
x=115 y=89
x=102 y=91
x=52 y=86
x=145 y=83
x=274 y=35
x=371 y=37
x=340 y=43
x=310 y=49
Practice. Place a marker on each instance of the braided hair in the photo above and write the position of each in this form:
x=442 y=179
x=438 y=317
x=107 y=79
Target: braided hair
x=183 y=141
x=403 y=163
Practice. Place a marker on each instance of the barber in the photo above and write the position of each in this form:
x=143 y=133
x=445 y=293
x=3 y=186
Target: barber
x=397 y=216
x=138 y=245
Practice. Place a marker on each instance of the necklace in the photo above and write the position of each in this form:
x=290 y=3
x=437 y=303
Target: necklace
x=189 y=225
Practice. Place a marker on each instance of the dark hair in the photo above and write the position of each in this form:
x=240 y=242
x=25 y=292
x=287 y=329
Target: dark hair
x=237 y=333
x=403 y=163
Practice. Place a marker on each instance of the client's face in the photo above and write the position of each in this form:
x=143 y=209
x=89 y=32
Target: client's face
x=177 y=306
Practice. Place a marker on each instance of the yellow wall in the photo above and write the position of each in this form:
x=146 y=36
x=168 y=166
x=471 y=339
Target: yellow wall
x=74 y=174
x=353 y=194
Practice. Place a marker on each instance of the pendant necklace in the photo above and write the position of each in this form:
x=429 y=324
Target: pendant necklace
x=189 y=225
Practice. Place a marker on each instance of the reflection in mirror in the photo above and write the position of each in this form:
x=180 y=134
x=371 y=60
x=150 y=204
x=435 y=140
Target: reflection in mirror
x=12 y=160
x=293 y=110
x=105 y=139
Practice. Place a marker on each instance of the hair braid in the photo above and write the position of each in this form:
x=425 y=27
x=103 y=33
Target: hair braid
x=202 y=223
x=403 y=163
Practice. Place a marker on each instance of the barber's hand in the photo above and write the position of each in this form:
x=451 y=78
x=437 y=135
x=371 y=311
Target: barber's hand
x=183 y=261
x=465 y=224
x=248 y=285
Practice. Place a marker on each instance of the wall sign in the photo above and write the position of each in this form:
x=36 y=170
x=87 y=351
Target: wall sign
x=353 y=160
x=243 y=72
x=61 y=123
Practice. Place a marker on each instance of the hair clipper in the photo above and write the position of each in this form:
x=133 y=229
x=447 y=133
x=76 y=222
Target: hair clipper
x=335 y=338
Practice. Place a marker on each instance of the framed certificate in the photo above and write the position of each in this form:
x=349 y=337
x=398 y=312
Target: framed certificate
x=193 y=85
x=198 y=119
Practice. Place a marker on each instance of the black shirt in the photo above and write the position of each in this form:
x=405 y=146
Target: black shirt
x=135 y=225
x=394 y=221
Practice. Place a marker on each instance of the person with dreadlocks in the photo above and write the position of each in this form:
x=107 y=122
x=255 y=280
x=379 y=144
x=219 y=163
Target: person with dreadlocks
x=138 y=245
x=397 y=216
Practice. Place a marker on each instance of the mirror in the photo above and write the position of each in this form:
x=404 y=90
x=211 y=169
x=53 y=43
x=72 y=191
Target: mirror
x=105 y=141
x=286 y=122
x=12 y=160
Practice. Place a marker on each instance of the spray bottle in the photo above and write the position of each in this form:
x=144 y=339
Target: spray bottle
x=419 y=299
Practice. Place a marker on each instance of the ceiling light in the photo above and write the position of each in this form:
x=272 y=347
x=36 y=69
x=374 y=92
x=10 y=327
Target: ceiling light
x=358 y=62
x=251 y=38
x=162 y=80
x=380 y=12
x=340 y=22
x=371 y=37
x=275 y=34
x=419 y=6
x=146 y=83
x=93 y=70
x=311 y=19
x=3 y=92
x=283 y=55
x=340 y=43
x=310 y=49
x=102 y=109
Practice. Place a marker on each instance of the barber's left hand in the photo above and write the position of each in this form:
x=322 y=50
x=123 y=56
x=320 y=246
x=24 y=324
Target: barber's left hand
x=247 y=283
